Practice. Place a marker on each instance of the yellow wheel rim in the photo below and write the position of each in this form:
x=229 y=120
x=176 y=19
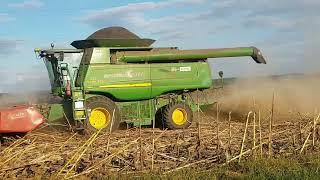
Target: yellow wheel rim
x=99 y=118
x=179 y=116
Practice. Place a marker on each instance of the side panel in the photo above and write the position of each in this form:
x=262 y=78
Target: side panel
x=124 y=82
x=56 y=112
x=168 y=77
x=144 y=112
x=138 y=112
x=19 y=119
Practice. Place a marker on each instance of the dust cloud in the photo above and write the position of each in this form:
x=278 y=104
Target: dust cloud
x=295 y=96
x=31 y=98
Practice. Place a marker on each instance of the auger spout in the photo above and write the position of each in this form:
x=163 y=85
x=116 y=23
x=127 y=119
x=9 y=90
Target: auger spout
x=175 y=54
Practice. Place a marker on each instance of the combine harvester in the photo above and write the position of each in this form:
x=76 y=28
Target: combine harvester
x=118 y=77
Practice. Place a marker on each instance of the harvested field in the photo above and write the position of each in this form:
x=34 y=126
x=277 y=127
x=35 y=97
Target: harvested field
x=55 y=153
x=259 y=127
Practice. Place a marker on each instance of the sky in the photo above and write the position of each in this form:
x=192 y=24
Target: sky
x=286 y=31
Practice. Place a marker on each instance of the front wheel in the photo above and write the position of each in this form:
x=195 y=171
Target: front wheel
x=103 y=114
x=177 y=115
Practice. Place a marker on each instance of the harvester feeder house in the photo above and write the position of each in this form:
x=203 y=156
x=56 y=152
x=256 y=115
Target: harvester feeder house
x=116 y=77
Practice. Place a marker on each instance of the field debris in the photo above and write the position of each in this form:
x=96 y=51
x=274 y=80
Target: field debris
x=58 y=153
x=244 y=124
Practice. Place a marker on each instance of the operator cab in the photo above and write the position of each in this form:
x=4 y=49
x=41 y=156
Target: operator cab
x=62 y=66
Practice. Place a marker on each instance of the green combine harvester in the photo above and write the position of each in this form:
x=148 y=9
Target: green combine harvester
x=116 y=77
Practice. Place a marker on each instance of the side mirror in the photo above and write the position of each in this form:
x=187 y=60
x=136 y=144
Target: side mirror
x=221 y=76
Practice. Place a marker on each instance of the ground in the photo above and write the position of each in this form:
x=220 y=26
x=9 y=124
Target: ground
x=217 y=146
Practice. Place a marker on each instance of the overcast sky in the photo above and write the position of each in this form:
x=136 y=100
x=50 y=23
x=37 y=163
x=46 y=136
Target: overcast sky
x=287 y=32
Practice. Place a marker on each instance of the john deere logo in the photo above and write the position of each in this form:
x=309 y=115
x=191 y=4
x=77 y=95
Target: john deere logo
x=126 y=74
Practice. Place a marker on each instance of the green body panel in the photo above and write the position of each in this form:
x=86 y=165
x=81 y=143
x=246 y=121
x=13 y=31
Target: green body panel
x=100 y=55
x=130 y=82
x=123 y=82
x=138 y=112
x=143 y=112
x=56 y=112
x=172 y=77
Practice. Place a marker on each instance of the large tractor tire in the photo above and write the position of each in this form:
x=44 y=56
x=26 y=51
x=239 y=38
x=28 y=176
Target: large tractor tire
x=100 y=111
x=177 y=115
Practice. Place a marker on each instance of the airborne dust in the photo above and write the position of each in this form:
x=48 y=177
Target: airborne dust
x=294 y=96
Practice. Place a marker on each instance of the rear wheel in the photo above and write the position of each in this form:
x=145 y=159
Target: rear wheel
x=103 y=114
x=177 y=116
